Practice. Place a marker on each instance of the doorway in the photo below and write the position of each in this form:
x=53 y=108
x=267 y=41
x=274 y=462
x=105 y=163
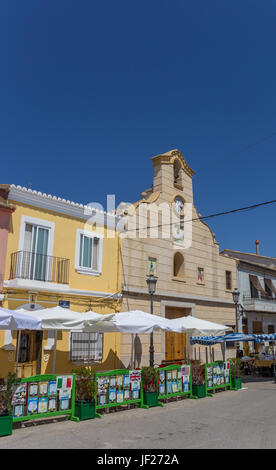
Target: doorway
x=29 y=353
x=34 y=259
x=175 y=343
x=257 y=327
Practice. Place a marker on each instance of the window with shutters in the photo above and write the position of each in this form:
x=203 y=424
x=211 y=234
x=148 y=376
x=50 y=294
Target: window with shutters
x=228 y=280
x=86 y=347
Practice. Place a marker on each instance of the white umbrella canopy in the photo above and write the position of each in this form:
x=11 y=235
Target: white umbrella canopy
x=136 y=321
x=59 y=318
x=16 y=320
x=195 y=325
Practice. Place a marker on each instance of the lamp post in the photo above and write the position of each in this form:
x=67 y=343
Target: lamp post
x=236 y=296
x=151 y=282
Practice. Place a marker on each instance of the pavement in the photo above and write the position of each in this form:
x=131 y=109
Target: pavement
x=245 y=419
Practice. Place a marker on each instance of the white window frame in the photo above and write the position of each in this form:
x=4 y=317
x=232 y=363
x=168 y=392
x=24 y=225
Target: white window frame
x=42 y=223
x=50 y=226
x=84 y=270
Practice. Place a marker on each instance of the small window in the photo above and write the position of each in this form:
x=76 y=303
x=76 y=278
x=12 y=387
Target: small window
x=178 y=233
x=24 y=348
x=152 y=266
x=200 y=275
x=254 y=292
x=178 y=265
x=177 y=172
x=88 y=253
x=228 y=280
x=86 y=347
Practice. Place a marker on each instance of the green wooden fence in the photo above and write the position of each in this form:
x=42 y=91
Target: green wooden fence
x=42 y=396
x=175 y=380
x=217 y=376
x=117 y=388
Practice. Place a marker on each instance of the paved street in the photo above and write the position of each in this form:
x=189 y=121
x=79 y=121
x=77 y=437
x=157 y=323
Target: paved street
x=243 y=419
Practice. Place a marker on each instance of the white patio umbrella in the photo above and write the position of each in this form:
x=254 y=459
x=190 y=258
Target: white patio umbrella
x=59 y=318
x=193 y=325
x=136 y=321
x=15 y=320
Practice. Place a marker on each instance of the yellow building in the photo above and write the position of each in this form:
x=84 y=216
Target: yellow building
x=59 y=253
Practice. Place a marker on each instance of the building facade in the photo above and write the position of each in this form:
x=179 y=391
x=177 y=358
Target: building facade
x=57 y=252
x=166 y=237
x=257 y=286
x=6 y=210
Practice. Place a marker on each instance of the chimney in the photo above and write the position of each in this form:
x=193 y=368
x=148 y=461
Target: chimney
x=257 y=247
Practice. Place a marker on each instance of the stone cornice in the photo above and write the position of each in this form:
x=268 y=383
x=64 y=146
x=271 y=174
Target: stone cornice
x=168 y=158
x=57 y=204
x=133 y=290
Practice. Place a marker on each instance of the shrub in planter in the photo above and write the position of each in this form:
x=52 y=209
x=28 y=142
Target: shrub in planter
x=5 y=404
x=85 y=393
x=150 y=389
x=198 y=381
x=236 y=372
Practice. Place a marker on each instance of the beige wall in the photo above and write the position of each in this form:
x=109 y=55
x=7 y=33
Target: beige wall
x=208 y=300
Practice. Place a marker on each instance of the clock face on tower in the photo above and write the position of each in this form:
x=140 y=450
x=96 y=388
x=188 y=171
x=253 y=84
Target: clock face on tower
x=179 y=204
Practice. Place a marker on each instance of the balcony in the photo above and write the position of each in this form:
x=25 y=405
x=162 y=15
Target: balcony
x=259 y=304
x=30 y=266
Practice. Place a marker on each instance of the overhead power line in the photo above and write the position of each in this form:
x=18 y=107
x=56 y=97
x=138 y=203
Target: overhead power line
x=217 y=214
x=257 y=143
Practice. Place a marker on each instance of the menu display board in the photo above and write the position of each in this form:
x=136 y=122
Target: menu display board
x=118 y=388
x=43 y=396
x=218 y=374
x=174 y=381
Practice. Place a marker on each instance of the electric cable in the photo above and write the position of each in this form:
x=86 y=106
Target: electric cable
x=217 y=214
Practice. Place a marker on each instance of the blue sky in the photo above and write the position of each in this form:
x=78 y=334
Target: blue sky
x=91 y=90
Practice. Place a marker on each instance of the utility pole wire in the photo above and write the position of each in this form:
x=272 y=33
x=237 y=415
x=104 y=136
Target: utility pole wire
x=217 y=214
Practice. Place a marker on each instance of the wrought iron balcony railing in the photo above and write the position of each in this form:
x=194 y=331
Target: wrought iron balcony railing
x=38 y=267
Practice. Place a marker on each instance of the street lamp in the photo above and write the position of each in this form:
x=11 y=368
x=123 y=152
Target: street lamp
x=151 y=282
x=236 y=296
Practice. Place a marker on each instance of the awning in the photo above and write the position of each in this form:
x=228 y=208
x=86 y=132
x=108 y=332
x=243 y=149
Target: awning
x=211 y=340
x=270 y=285
x=256 y=283
x=262 y=338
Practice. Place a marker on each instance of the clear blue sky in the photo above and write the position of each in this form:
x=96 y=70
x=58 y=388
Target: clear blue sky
x=91 y=90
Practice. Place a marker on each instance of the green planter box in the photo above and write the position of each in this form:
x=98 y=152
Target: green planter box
x=151 y=399
x=85 y=410
x=6 y=425
x=199 y=391
x=236 y=383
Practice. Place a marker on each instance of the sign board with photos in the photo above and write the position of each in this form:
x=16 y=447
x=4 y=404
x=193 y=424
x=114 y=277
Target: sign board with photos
x=174 y=380
x=118 y=387
x=42 y=396
x=217 y=375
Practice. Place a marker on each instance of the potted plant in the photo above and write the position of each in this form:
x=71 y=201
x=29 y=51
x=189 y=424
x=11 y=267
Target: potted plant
x=5 y=404
x=198 y=381
x=150 y=392
x=85 y=393
x=236 y=372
